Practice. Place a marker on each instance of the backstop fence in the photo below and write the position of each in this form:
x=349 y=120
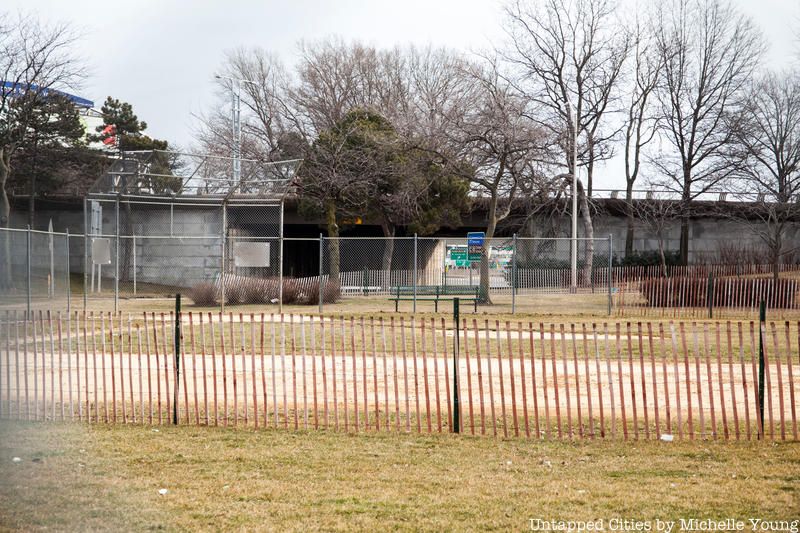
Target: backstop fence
x=159 y=252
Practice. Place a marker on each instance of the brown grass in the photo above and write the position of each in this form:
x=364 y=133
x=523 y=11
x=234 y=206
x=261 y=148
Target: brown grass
x=72 y=477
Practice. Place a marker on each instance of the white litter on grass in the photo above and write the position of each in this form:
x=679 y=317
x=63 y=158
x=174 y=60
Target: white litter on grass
x=155 y=431
x=508 y=463
x=163 y=491
x=666 y=437
x=17 y=460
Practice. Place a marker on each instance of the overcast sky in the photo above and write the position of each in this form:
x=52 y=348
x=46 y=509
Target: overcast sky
x=160 y=55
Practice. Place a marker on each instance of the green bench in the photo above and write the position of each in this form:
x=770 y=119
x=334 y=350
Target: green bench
x=435 y=293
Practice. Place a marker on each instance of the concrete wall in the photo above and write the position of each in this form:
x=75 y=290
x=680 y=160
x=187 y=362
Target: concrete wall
x=169 y=252
x=706 y=235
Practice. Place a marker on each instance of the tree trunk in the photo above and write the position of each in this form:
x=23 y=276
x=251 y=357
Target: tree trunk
x=484 y=273
x=684 y=245
x=776 y=253
x=333 y=243
x=629 y=234
x=5 y=218
x=388 y=252
x=588 y=230
x=662 y=258
x=686 y=197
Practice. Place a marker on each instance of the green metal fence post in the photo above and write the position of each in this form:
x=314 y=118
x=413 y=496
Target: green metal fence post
x=710 y=295
x=456 y=336
x=762 y=318
x=177 y=362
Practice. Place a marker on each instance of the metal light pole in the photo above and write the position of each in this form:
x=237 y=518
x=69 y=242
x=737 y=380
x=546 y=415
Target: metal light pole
x=574 y=240
x=236 y=121
x=236 y=115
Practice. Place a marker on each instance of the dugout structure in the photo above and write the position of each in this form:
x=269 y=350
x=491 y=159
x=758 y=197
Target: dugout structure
x=160 y=222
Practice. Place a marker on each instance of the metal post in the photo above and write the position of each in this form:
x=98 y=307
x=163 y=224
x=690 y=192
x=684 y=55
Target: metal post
x=133 y=254
x=321 y=292
x=710 y=295
x=456 y=349
x=415 y=273
x=116 y=256
x=444 y=265
x=280 y=262
x=222 y=258
x=762 y=318
x=177 y=361
x=51 y=286
x=85 y=255
x=236 y=87
x=610 y=270
x=69 y=287
x=28 y=267
x=514 y=276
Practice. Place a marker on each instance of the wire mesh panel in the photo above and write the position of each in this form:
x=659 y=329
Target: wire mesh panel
x=34 y=268
x=425 y=273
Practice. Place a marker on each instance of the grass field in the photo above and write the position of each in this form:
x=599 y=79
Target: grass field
x=74 y=477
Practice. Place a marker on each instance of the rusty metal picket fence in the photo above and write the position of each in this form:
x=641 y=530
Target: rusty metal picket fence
x=629 y=380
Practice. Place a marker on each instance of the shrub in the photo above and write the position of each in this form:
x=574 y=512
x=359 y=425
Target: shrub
x=235 y=289
x=308 y=293
x=652 y=258
x=290 y=291
x=735 y=292
x=247 y=290
x=254 y=291
x=203 y=294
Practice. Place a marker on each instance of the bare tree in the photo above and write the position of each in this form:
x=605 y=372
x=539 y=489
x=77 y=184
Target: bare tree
x=709 y=52
x=568 y=57
x=34 y=58
x=657 y=215
x=770 y=135
x=267 y=116
x=334 y=77
x=642 y=120
x=497 y=139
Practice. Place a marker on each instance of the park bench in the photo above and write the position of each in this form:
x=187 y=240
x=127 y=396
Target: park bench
x=435 y=293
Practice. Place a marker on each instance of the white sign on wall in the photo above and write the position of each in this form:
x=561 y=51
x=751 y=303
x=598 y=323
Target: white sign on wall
x=251 y=254
x=101 y=251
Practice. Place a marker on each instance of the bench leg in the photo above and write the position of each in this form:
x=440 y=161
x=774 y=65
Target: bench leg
x=436 y=306
x=396 y=303
x=475 y=304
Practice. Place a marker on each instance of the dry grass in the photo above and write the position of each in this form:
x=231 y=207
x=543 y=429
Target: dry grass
x=73 y=477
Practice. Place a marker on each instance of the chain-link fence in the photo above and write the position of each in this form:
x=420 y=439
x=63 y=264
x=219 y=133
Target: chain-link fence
x=35 y=268
x=139 y=250
x=423 y=273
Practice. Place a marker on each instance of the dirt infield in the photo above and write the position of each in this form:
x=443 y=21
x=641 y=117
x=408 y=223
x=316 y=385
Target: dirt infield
x=590 y=396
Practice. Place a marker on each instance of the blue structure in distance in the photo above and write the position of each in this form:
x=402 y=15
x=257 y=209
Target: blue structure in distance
x=10 y=87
